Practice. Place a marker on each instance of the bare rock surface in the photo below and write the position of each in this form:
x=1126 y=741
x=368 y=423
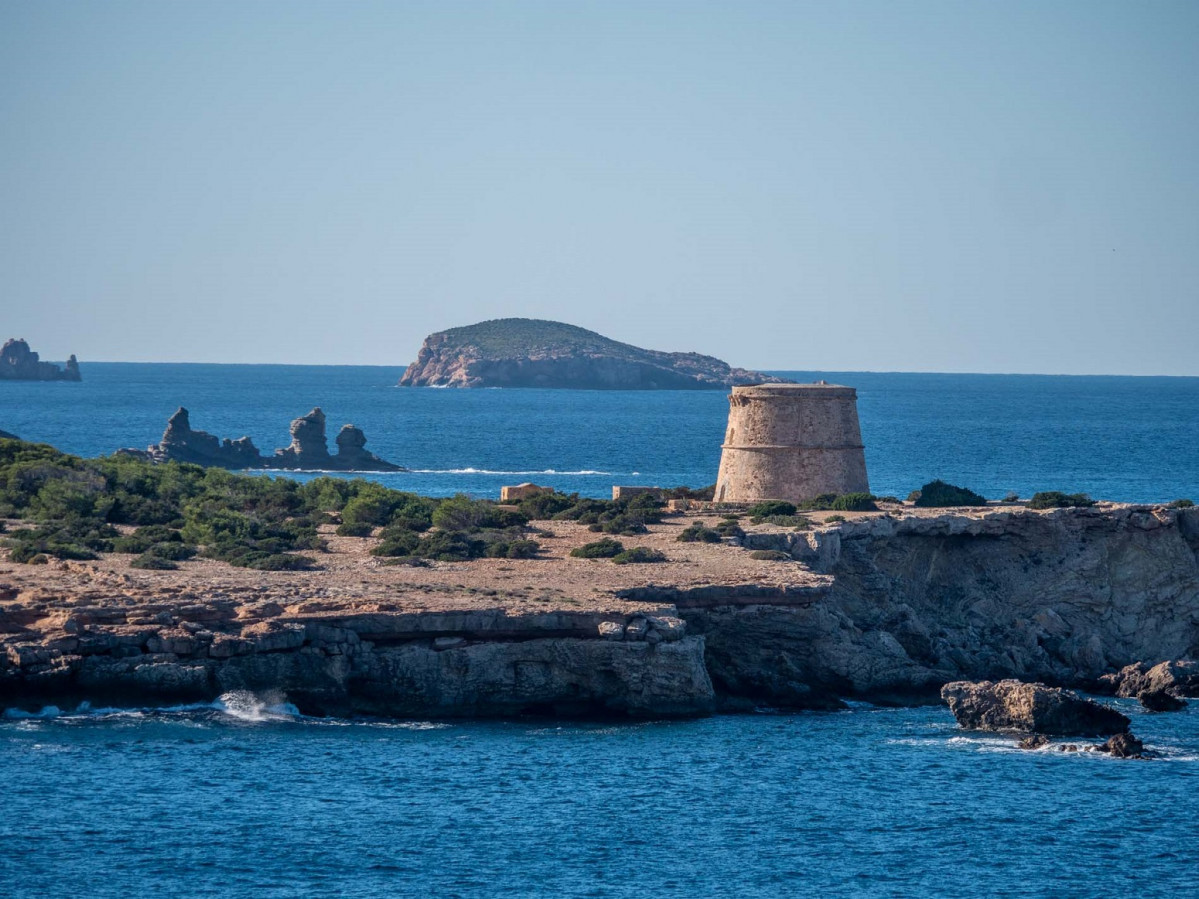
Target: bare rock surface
x=19 y=363
x=1178 y=678
x=1012 y=706
x=521 y=352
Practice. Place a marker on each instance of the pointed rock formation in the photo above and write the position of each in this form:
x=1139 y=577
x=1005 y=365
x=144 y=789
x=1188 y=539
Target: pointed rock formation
x=19 y=363
x=308 y=451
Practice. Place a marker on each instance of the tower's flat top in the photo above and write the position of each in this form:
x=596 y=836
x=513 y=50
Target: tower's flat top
x=819 y=388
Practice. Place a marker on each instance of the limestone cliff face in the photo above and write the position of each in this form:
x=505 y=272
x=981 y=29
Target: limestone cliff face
x=402 y=665
x=19 y=363
x=1061 y=597
x=519 y=352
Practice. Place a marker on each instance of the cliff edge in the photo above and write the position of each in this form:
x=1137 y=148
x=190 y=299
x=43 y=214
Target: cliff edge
x=526 y=352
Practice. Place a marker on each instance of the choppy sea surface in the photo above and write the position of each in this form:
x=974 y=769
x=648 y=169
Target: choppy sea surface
x=243 y=799
x=246 y=798
x=1119 y=438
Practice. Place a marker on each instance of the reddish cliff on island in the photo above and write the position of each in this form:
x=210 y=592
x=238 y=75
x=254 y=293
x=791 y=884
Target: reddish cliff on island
x=524 y=352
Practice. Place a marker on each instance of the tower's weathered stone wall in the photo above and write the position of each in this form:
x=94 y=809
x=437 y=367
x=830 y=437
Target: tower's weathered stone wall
x=791 y=442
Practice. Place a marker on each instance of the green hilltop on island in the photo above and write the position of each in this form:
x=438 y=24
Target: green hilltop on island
x=528 y=352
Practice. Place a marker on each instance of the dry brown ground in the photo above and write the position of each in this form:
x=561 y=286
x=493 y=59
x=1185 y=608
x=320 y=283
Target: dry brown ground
x=350 y=579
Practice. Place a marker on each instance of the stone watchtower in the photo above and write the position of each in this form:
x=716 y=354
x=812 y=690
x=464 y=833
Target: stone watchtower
x=791 y=442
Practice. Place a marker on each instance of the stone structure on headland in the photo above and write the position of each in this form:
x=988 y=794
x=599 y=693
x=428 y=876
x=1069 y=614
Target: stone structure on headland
x=308 y=451
x=19 y=363
x=791 y=442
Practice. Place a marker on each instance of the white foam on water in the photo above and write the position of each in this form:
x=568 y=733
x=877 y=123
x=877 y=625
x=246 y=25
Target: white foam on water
x=50 y=711
x=245 y=706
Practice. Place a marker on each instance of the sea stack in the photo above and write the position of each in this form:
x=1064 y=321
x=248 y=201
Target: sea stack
x=791 y=442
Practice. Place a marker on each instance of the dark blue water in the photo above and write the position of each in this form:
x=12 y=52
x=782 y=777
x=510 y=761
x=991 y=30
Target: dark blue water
x=868 y=802
x=239 y=800
x=1120 y=438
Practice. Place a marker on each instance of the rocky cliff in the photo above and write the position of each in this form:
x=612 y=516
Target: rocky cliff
x=520 y=352
x=484 y=663
x=19 y=363
x=308 y=450
x=887 y=608
x=1061 y=597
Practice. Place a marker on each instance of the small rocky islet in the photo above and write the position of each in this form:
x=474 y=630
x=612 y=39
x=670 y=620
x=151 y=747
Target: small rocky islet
x=308 y=450
x=527 y=352
x=19 y=363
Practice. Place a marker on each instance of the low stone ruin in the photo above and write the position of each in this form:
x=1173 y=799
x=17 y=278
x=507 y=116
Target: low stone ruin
x=308 y=450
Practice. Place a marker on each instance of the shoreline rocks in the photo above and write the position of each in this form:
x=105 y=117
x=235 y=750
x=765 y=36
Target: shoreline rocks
x=19 y=363
x=1010 y=706
x=308 y=450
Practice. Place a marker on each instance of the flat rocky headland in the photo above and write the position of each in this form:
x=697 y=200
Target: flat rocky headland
x=885 y=606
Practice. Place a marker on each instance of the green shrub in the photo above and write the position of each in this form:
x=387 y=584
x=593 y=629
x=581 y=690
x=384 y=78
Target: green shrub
x=544 y=506
x=889 y=499
x=770 y=555
x=938 y=494
x=729 y=528
x=600 y=549
x=1055 y=499
x=799 y=522
x=1011 y=497
x=514 y=549
x=174 y=552
x=853 y=502
x=450 y=546
x=771 y=507
x=1182 y=504
x=638 y=555
x=40 y=559
x=355 y=529
x=150 y=562
x=625 y=525
x=397 y=543
x=699 y=532
x=280 y=562
x=461 y=513
x=834 y=519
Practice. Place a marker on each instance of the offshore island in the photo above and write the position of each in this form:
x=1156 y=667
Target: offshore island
x=131 y=582
x=529 y=352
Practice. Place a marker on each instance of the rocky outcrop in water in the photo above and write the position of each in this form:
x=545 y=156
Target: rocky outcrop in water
x=19 y=363
x=1176 y=678
x=1016 y=707
x=522 y=352
x=308 y=451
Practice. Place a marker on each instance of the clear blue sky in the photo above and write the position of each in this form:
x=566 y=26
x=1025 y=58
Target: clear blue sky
x=925 y=186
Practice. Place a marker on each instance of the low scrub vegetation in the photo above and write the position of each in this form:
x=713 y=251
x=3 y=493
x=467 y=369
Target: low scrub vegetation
x=698 y=532
x=937 y=494
x=638 y=555
x=606 y=548
x=1055 y=499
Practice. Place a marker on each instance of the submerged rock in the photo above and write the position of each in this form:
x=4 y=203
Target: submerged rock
x=19 y=363
x=1123 y=746
x=1010 y=705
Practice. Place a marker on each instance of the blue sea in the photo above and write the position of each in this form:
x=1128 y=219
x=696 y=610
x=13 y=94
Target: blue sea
x=244 y=797
x=1118 y=438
